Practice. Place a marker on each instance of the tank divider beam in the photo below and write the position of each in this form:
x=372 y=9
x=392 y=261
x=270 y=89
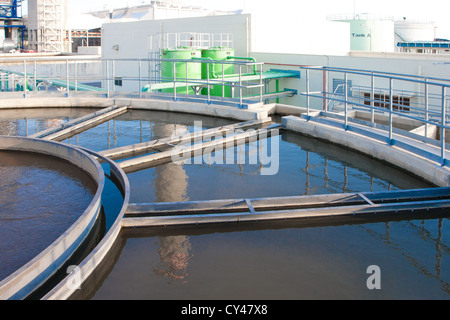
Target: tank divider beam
x=328 y=206
x=141 y=148
x=67 y=131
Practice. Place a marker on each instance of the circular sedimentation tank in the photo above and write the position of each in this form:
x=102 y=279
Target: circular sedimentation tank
x=53 y=211
x=39 y=193
x=287 y=260
x=191 y=70
x=217 y=69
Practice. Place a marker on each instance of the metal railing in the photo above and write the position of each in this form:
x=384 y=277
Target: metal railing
x=117 y=77
x=427 y=98
x=372 y=91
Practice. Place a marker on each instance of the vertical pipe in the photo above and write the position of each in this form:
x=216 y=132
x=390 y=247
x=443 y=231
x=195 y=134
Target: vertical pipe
x=443 y=121
x=207 y=82
x=372 y=99
x=187 y=87
x=307 y=93
x=324 y=94
x=174 y=81
x=107 y=78
x=240 y=85
x=390 y=108
x=426 y=107
x=277 y=88
x=114 y=75
x=35 y=76
x=223 y=82
x=346 y=100
x=140 y=77
x=260 y=83
x=67 y=77
x=76 y=75
x=25 y=77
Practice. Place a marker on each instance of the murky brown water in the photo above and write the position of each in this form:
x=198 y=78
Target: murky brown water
x=40 y=198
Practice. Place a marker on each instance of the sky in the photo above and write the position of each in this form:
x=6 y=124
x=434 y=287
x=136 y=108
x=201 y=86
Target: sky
x=429 y=10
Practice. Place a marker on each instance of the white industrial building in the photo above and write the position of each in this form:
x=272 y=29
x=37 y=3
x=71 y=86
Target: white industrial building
x=330 y=46
x=48 y=27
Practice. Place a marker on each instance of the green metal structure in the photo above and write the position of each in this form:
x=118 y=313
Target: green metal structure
x=216 y=70
x=180 y=70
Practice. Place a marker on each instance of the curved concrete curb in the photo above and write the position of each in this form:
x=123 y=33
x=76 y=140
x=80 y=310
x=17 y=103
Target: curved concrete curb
x=36 y=272
x=139 y=104
x=66 y=287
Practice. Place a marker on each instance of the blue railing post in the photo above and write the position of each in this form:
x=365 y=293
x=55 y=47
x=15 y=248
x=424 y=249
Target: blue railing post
x=346 y=100
x=390 y=109
x=443 y=121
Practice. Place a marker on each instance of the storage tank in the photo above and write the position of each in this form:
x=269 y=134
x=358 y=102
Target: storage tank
x=194 y=70
x=414 y=30
x=215 y=69
x=370 y=33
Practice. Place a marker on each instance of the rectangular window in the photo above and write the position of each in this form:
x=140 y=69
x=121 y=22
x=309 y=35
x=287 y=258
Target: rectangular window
x=118 y=81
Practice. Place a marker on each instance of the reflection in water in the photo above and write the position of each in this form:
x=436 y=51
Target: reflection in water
x=175 y=255
x=426 y=262
x=171 y=183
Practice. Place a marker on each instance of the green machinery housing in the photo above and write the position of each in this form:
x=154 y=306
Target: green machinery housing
x=197 y=66
x=182 y=70
x=216 y=70
x=197 y=70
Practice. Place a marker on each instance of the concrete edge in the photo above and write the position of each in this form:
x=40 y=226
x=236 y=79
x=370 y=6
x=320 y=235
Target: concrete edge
x=136 y=103
x=33 y=274
x=65 y=288
x=419 y=166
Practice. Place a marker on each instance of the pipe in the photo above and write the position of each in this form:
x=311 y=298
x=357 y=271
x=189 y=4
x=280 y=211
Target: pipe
x=245 y=58
x=213 y=75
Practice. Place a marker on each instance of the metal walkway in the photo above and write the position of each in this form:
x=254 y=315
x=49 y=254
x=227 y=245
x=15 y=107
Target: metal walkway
x=364 y=205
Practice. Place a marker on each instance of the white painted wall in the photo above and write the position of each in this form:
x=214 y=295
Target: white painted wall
x=301 y=35
x=131 y=40
x=133 y=37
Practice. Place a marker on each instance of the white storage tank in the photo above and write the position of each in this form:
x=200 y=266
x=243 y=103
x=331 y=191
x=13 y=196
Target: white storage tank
x=414 y=30
x=369 y=33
